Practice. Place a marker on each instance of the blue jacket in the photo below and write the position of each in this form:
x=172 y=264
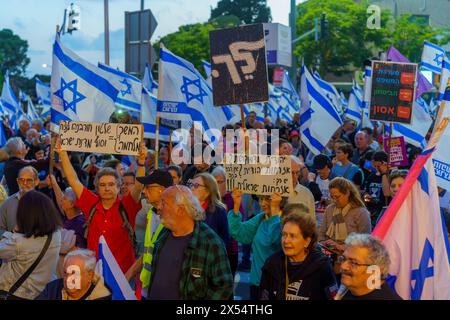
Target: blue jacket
x=263 y=234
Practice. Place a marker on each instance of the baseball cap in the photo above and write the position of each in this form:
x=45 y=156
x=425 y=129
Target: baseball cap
x=293 y=133
x=161 y=177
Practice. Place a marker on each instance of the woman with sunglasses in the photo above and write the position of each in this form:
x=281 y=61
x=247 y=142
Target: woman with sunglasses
x=205 y=188
x=263 y=232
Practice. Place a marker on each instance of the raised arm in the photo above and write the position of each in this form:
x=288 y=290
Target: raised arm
x=68 y=170
x=57 y=191
x=140 y=172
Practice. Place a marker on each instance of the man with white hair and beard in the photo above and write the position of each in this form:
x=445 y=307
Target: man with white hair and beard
x=189 y=259
x=80 y=281
x=361 y=252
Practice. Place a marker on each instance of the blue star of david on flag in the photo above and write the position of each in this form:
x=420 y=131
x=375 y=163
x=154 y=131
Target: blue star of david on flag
x=76 y=96
x=128 y=89
x=439 y=58
x=189 y=95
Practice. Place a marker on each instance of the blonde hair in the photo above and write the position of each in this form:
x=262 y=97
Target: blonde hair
x=213 y=190
x=344 y=185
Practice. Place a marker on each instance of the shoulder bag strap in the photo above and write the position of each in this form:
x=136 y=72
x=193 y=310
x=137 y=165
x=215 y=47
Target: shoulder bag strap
x=27 y=273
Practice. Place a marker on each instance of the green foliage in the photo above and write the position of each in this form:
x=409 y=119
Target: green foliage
x=13 y=53
x=190 y=42
x=348 y=42
x=248 y=11
x=408 y=35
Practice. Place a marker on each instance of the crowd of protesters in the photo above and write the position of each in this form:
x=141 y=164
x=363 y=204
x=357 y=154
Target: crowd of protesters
x=176 y=232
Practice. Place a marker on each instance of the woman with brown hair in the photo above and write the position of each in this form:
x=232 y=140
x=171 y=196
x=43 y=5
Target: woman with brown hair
x=204 y=187
x=345 y=215
x=300 y=271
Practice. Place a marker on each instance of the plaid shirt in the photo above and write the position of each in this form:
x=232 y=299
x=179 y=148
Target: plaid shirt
x=205 y=272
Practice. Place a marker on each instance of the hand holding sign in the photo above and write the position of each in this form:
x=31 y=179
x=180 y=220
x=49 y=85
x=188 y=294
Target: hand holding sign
x=237 y=196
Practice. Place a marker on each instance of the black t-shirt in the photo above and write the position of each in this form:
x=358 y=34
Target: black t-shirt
x=165 y=285
x=374 y=187
x=384 y=293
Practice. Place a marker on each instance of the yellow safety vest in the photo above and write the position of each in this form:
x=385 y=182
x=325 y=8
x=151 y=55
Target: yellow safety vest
x=147 y=256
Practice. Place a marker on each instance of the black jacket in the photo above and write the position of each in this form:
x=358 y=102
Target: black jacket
x=13 y=166
x=313 y=280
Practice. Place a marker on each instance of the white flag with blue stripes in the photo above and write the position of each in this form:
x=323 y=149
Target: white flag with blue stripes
x=148 y=107
x=183 y=93
x=319 y=120
x=441 y=157
x=415 y=132
x=445 y=78
x=80 y=90
x=432 y=57
x=330 y=92
x=8 y=98
x=129 y=88
x=31 y=111
x=355 y=104
x=366 y=122
x=43 y=92
x=112 y=274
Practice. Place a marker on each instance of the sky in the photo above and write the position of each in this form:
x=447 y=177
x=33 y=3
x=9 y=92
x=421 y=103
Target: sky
x=36 y=20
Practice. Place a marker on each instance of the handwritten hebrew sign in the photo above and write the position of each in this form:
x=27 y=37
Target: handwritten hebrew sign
x=238 y=65
x=111 y=138
x=392 y=93
x=271 y=174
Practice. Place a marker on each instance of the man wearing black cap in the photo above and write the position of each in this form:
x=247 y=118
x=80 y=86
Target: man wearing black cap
x=154 y=185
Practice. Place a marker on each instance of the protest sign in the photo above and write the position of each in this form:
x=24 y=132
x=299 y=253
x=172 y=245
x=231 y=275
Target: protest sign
x=398 y=156
x=392 y=93
x=441 y=160
x=267 y=175
x=238 y=65
x=96 y=137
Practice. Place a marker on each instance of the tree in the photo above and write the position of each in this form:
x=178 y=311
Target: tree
x=190 y=42
x=348 y=42
x=13 y=53
x=248 y=11
x=409 y=33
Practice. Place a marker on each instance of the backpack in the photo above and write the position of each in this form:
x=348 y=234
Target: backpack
x=125 y=223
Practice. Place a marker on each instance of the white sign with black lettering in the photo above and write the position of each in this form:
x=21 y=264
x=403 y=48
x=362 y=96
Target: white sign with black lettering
x=110 y=138
x=266 y=176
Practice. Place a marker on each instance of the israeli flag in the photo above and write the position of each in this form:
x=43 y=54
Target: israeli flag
x=114 y=277
x=183 y=94
x=46 y=111
x=31 y=111
x=273 y=103
x=445 y=78
x=80 y=90
x=129 y=88
x=414 y=233
x=432 y=57
x=344 y=101
x=355 y=104
x=43 y=92
x=151 y=84
x=415 y=132
x=2 y=136
x=207 y=67
x=366 y=122
x=330 y=92
x=441 y=157
x=8 y=99
x=319 y=119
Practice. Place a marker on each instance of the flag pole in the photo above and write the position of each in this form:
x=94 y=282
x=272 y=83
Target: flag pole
x=389 y=144
x=246 y=141
x=439 y=116
x=52 y=136
x=170 y=146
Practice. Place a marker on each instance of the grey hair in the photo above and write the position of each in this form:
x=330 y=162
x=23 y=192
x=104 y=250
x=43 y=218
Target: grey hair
x=378 y=255
x=29 y=168
x=88 y=256
x=13 y=146
x=185 y=197
x=219 y=171
x=107 y=172
x=31 y=130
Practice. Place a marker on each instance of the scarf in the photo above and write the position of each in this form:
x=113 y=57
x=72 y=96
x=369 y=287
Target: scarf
x=337 y=230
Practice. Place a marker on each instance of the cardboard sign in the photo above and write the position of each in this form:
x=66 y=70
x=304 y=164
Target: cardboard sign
x=238 y=65
x=267 y=175
x=393 y=91
x=398 y=155
x=96 y=137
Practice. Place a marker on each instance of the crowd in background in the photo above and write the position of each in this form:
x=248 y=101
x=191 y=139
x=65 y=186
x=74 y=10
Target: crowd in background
x=178 y=233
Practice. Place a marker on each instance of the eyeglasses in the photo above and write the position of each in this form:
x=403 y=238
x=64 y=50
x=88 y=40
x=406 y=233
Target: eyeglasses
x=27 y=181
x=195 y=185
x=353 y=264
